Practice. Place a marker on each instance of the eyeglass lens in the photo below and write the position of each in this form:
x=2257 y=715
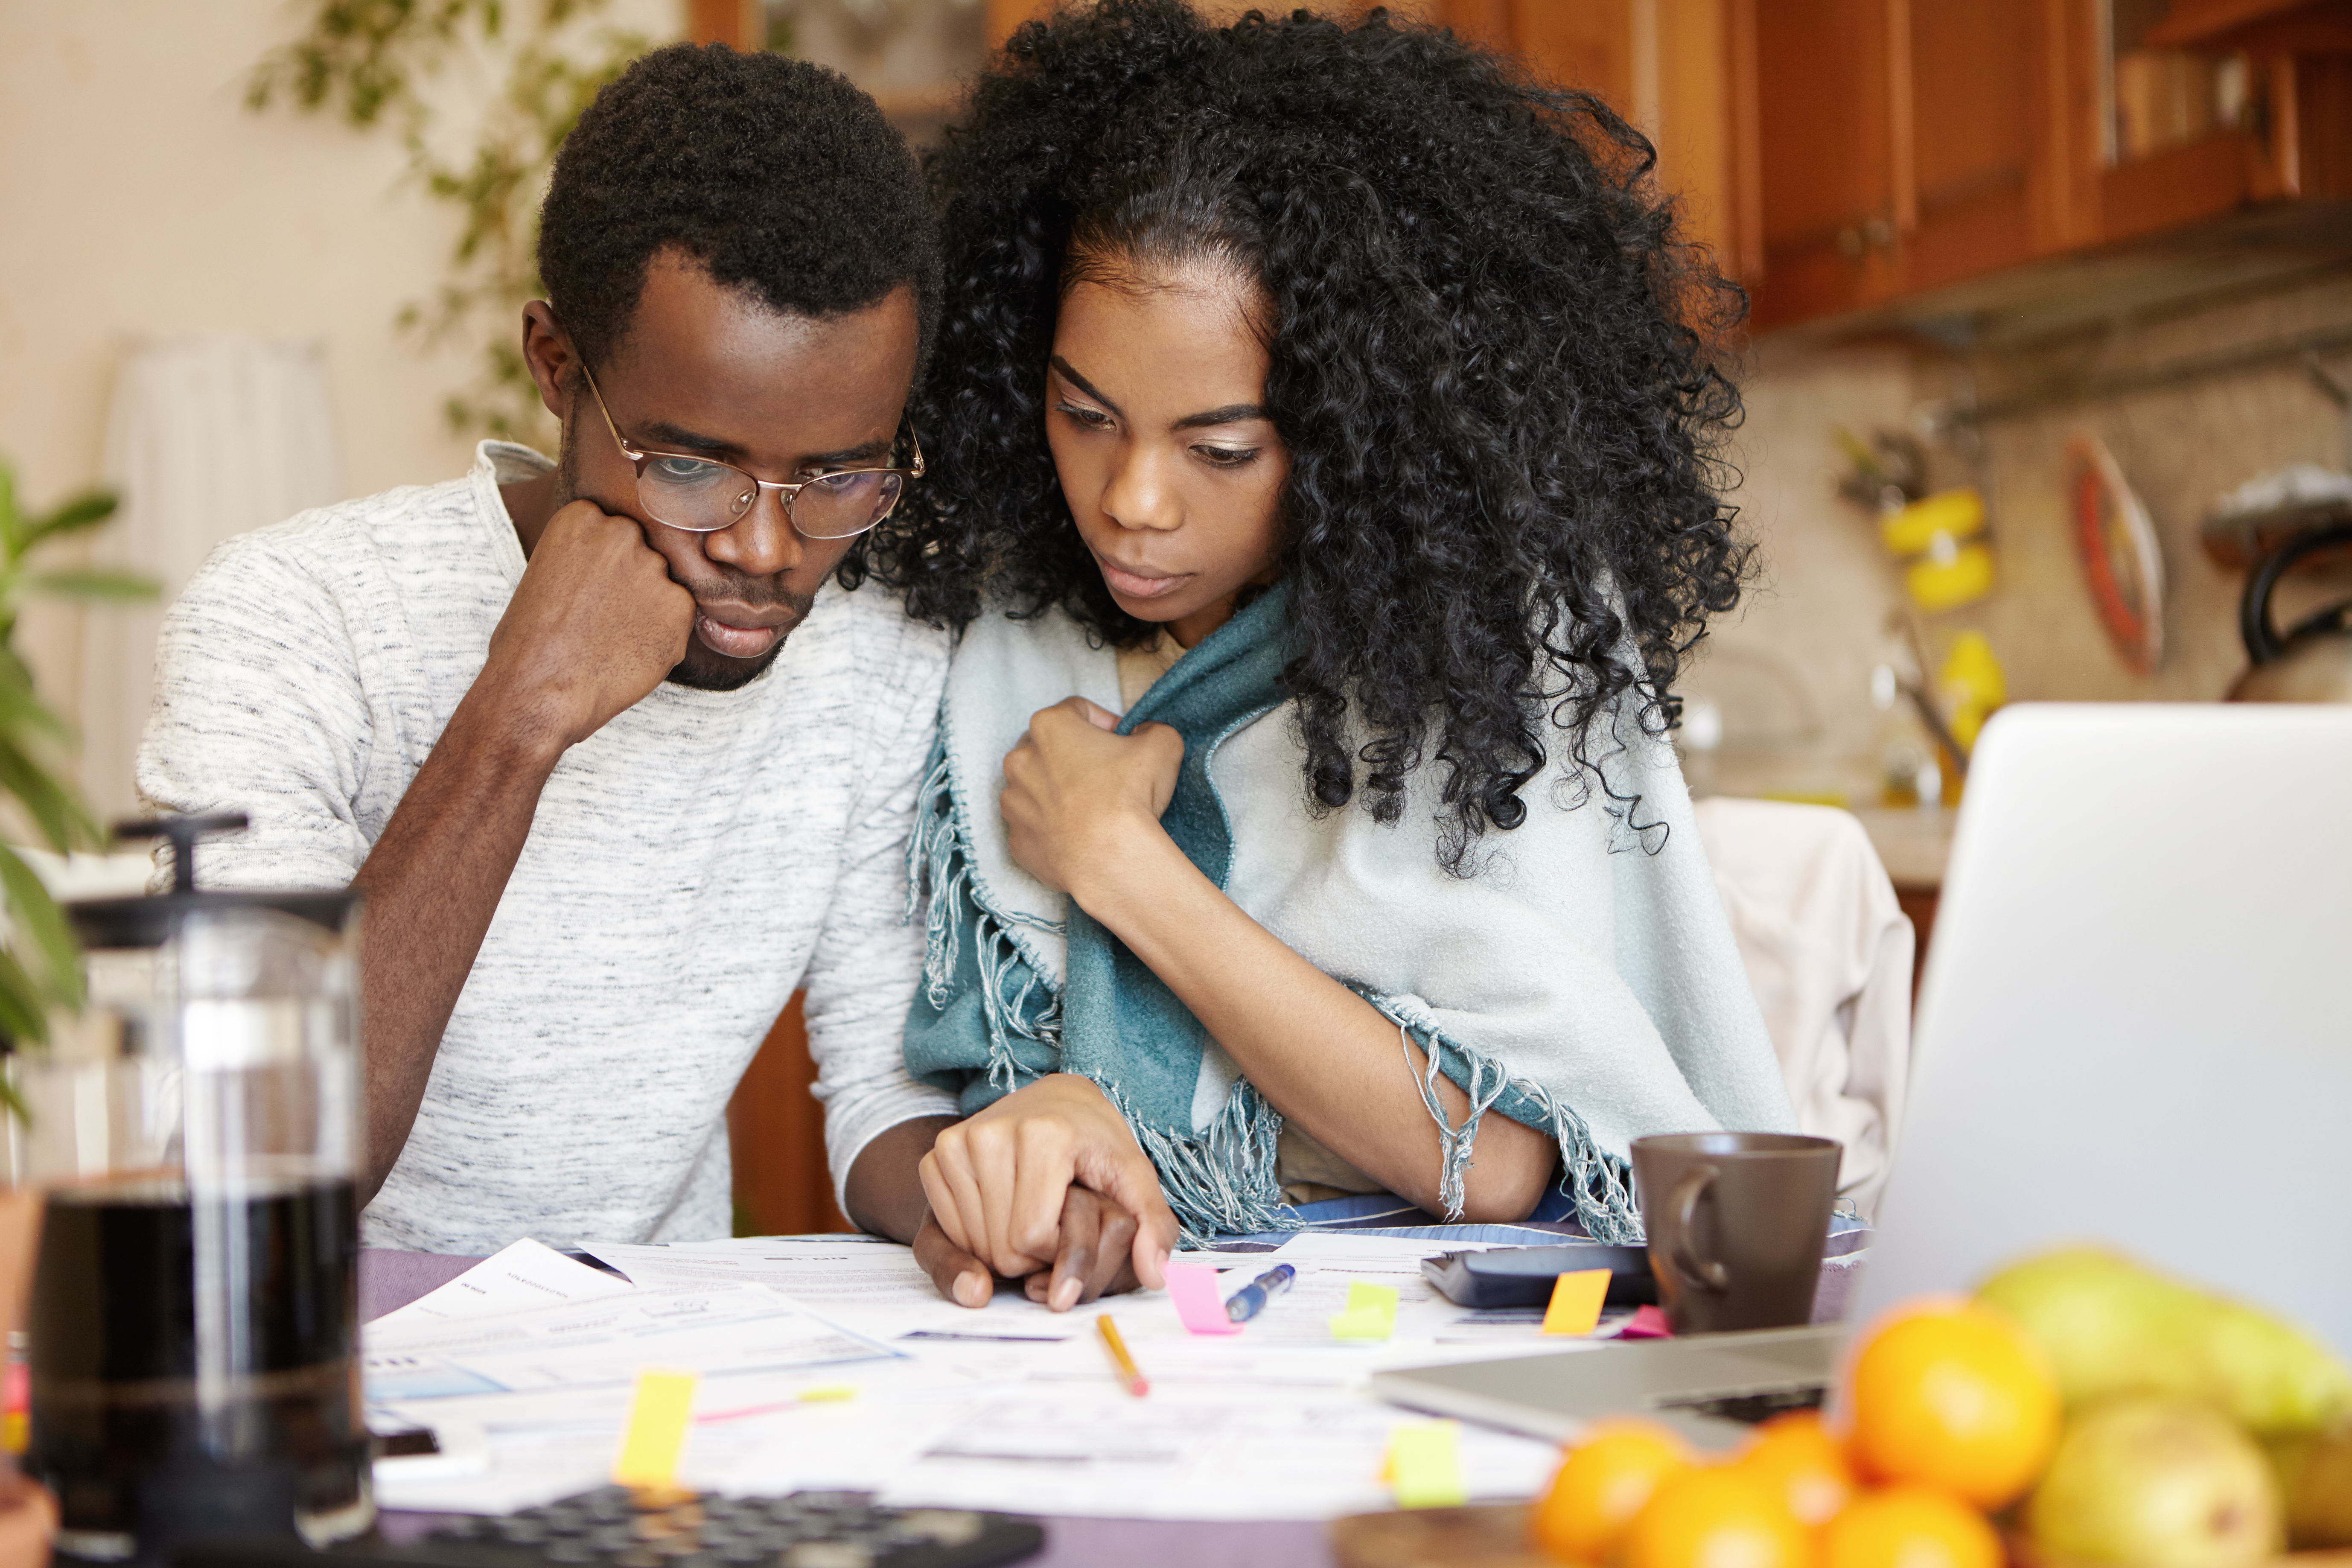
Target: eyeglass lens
x=705 y=497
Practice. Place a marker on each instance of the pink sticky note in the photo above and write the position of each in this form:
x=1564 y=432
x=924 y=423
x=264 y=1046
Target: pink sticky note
x=1648 y=1323
x=1198 y=1306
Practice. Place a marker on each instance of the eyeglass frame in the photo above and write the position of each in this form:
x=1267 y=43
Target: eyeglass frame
x=638 y=457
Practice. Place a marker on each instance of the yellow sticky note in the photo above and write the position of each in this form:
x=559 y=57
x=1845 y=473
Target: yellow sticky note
x=659 y=1414
x=1575 y=1303
x=1371 y=1313
x=1426 y=1464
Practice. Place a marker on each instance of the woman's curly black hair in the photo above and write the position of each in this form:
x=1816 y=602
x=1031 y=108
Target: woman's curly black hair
x=1492 y=364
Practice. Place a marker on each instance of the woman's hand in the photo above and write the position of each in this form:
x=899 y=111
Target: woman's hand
x=1000 y=1182
x=1094 y=1257
x=1076 y=797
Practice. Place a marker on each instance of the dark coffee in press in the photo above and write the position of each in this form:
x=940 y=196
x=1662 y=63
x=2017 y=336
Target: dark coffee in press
x=175 y=1399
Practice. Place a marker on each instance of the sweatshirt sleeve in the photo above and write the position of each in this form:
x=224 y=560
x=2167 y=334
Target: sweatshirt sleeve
x=258 y=708
x=868 y=956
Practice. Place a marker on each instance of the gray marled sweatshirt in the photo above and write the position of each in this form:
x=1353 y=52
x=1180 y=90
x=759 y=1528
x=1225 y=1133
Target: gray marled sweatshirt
x=690 y=864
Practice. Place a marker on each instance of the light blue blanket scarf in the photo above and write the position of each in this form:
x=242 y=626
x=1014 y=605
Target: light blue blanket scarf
x=1584 y=982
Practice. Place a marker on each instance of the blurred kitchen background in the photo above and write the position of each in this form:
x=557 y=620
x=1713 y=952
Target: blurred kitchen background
x=2051 y=333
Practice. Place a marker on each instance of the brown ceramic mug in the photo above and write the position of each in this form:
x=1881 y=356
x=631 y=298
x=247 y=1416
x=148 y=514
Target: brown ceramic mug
x=1737 y=1223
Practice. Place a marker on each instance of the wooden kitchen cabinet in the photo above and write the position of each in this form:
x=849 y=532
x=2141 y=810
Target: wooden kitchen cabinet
x=1870 y=151
x=1907 y=145
x=1842 y=156
x=1902 y=144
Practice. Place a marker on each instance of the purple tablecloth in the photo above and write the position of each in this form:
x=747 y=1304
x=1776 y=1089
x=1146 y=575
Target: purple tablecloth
x=389 y=1279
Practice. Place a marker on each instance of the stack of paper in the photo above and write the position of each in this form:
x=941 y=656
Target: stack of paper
x=1010 y=1406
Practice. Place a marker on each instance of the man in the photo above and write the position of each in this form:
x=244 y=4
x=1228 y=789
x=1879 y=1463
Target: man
x=614 y=763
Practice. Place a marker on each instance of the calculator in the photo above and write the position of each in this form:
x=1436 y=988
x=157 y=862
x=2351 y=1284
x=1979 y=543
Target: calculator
x=615 y=1528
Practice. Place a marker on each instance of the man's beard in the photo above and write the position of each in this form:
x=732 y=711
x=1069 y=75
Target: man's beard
x=702 y=668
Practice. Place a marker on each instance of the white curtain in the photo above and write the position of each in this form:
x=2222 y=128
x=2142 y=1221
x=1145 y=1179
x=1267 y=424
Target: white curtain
x=211 y=434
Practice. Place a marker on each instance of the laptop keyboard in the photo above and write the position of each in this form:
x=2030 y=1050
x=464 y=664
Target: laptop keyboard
x=1750 y=1409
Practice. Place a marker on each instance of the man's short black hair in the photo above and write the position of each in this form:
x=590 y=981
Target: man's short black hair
x=778 y=175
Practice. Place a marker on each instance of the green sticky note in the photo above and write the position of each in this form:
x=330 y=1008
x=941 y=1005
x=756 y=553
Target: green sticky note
x=1426 y=1464
x=1371 y=1313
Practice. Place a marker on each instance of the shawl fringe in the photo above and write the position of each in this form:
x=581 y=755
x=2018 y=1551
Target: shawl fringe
x=1599 y=1185
x=1014 y=999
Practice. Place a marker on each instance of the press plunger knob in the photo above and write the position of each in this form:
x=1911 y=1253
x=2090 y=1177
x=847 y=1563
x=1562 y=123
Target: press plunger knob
x=183 y=832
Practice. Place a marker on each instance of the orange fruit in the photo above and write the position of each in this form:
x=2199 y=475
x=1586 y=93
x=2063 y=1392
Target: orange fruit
x=1805 y=1462
x=1909 y=1527
x=1719 y=1517
x=1600 y=1485
x=1957 y=1396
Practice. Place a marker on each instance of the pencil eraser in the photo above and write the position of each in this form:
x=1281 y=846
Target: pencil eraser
x=1199 y=1308
x=1576 y=1302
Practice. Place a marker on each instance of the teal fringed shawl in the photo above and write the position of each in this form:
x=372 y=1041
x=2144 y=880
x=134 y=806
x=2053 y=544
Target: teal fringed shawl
x=1543 y=997
x=1115 y=1023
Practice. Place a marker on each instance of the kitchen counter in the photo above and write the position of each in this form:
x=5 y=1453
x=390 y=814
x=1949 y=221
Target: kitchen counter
x=1915 y=844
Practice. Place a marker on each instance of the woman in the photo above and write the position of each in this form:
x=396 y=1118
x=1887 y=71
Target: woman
x=1320 y=430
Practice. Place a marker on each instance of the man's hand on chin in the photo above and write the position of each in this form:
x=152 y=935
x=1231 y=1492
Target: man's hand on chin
x=594 y=625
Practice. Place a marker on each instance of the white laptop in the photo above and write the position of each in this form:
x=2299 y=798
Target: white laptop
x=2136 y=1027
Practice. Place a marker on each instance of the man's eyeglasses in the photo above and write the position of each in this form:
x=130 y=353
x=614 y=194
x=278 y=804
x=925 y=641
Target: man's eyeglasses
x=699 y=496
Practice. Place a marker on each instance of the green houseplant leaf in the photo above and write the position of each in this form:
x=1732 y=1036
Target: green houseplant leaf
x=120 y=587
x=41 y=966
x=80 y=513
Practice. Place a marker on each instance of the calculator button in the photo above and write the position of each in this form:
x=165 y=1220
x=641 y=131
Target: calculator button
x=829 y=1554
x=947 y=1527
x=569 y=1551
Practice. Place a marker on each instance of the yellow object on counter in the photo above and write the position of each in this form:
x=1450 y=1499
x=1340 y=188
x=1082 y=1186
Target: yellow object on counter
x=1957 y=515
x=1946 y=582
x=1972 y=684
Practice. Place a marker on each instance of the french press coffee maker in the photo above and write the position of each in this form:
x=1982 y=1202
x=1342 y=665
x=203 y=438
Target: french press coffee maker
x=193 y=1333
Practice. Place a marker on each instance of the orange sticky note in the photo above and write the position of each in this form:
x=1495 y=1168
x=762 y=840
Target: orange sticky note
x=1575 y=1303
x=655 y=1435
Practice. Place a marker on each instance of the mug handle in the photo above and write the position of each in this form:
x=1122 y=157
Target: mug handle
x=1682 y=1211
